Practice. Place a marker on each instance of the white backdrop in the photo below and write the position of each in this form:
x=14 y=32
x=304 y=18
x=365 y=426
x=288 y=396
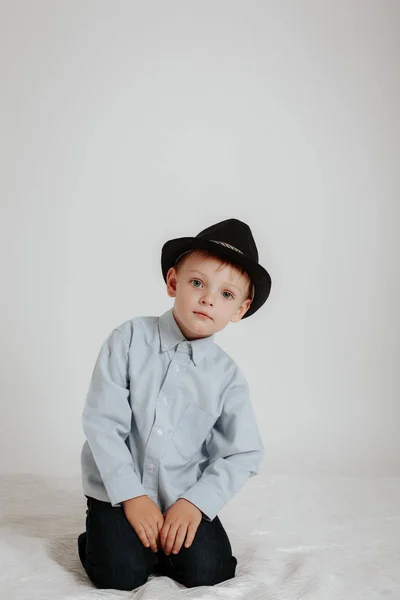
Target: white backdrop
x=124 y=124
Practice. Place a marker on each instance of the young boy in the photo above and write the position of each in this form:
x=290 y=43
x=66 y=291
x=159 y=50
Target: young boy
x=171 y=434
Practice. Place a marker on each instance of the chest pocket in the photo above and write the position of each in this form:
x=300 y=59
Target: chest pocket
x=192 y=430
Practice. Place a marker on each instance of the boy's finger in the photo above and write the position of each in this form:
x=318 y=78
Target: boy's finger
x=151 y=537
x=170 y=539
x=154 y=529
x=142 y=535
x=180 y=536
x=160 y=525
x=163 y=535
x=191 y=532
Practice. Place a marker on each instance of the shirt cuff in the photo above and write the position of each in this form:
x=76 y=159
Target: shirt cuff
x=206 y=500
x=123 y=488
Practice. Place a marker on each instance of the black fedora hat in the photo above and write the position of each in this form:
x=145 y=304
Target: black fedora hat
x=232 y=241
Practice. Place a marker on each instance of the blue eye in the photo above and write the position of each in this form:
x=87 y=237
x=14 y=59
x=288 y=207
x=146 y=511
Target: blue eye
x=192 y=280
x=228 y=293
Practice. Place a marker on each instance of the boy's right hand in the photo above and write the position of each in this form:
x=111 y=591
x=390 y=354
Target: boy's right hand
x=146 y=519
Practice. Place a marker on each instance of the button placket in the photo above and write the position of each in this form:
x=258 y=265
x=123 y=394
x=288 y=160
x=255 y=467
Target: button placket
x=160 y=432
x=150 y=475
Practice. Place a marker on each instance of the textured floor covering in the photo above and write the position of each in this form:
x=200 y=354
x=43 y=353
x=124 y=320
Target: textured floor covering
x=308 y=538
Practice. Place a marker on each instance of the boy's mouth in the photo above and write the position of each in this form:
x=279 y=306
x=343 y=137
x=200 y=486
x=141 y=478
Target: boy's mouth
x=202 y=314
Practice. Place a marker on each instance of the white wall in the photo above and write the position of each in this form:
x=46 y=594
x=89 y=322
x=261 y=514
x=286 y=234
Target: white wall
x=124 y=124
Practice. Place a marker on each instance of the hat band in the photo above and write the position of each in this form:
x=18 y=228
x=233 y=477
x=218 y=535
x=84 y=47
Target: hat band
x=226 y=245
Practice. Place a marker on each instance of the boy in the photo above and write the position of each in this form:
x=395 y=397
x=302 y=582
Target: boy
x=171 y=434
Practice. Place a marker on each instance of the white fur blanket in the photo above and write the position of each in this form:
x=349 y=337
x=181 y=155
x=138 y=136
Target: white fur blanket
x=308 y=538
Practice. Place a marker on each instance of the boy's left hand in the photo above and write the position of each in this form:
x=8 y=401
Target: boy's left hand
x=181 y=519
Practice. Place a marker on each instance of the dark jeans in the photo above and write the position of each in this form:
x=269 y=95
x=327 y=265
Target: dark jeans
x=114 y=557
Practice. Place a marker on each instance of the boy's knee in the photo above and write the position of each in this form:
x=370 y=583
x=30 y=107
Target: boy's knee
x=119 y=572
x=118 y=578
x=194 y=575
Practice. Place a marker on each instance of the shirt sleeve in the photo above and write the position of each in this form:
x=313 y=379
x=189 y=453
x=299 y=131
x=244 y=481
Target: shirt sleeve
x=106 y=420
x=235 y=451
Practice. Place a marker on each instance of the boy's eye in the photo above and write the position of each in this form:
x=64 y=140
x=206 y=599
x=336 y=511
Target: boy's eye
x=194 y=282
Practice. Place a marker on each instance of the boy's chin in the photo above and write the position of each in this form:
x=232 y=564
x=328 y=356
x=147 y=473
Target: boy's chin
x=200 y=324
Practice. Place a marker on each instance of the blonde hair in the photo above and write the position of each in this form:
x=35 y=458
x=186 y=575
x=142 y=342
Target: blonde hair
x=200 y=252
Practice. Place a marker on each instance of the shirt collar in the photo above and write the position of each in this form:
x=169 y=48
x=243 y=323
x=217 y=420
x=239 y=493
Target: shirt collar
x=171 y=335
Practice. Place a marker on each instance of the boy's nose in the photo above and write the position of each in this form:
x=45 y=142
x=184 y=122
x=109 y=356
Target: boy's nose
x=208 y=299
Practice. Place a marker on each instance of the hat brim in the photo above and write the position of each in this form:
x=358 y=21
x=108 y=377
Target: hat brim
x=259 y=276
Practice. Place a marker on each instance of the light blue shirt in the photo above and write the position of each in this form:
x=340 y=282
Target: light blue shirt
x=167 y=417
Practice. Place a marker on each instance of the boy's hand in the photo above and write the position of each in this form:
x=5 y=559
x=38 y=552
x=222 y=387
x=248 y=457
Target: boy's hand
x=146 y=519
x=181 y=519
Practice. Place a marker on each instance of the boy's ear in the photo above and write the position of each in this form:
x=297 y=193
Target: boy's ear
x=171 y=282
x=243 y=308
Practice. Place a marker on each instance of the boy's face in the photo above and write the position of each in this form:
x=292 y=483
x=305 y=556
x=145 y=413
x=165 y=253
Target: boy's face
x=202 y=286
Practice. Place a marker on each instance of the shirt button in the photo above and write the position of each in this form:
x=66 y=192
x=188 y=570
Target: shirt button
x=159 y=431
x=151 y=466
x=177 y=368
x=165 y=400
